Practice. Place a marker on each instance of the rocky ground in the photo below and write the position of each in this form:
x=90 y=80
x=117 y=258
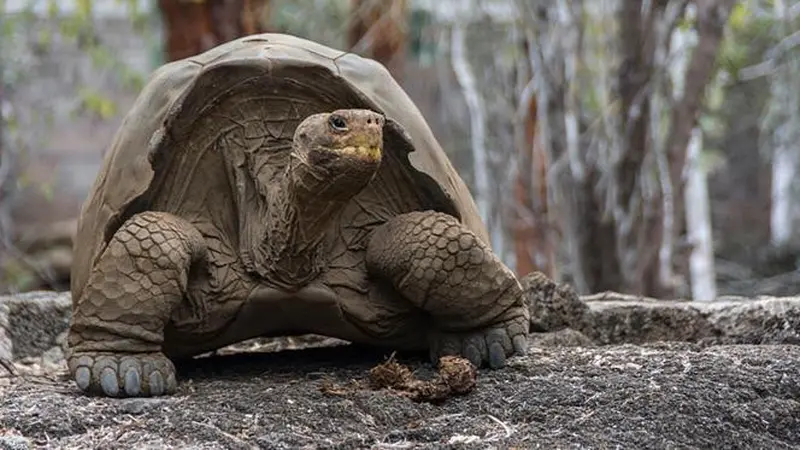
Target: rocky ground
x=626 y=373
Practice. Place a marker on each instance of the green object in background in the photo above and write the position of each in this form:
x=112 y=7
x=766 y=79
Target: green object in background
x=156 y=46
x=423 y=47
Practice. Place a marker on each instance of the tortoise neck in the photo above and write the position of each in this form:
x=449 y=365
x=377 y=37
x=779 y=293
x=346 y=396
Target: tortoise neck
x=301 y=210
x=293 y=245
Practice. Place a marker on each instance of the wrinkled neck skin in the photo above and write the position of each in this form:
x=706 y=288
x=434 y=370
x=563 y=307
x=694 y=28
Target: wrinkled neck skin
x=300 y=208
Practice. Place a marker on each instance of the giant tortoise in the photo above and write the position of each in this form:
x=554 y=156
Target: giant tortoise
x=273 y=186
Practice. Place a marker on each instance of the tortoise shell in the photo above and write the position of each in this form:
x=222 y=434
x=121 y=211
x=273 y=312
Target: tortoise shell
x=250 y=94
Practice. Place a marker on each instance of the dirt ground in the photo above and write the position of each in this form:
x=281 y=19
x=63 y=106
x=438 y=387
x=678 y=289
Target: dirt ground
x=654 y=396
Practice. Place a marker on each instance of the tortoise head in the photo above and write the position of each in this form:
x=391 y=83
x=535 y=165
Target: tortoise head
x=338 y=152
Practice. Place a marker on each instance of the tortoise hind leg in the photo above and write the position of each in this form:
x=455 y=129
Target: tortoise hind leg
x=117 y=328
x=440 y=266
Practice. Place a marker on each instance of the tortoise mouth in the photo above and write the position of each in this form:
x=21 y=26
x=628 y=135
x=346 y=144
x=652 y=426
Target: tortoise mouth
x=359 y=155
x=362 y=152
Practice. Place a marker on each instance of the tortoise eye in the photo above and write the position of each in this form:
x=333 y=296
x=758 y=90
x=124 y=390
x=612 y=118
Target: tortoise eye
x=337 y=123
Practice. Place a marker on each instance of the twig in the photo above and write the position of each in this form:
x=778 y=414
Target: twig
x=9 y=366
x=398 y=445
x=507 y=429
x=770 y=63
x=224 y=434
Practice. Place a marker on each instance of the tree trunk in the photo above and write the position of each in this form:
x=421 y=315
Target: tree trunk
x=553 y=46
x=698 y=215
x=193 y=27
x=477 y=131
x=712 y=15
x=605 y=171
x=533 y=249
x=785 y=108
x=6 y=176
x=784 y=171
x=378 y=29
x=636 y=232
x=7 y=184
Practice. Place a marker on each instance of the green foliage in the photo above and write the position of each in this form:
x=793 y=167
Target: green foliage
x=712 y=160
x=97 y=103
x=324 y=21
x=745 y=35
x=686 y=23
x=422 y=46
x=138 y=18
x=76 y=27
x=14 y=273
x=31 y=38
x=739 y=16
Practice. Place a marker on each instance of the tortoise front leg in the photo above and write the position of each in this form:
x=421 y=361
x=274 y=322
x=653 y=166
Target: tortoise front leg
x=442 y=267
x=118 y=323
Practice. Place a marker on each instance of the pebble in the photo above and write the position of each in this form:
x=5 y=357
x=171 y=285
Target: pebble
x=137 y=406
x=15 y=443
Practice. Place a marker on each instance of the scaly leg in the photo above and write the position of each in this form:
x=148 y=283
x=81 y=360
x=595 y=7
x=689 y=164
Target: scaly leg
x=118 y=322
x=440 y=266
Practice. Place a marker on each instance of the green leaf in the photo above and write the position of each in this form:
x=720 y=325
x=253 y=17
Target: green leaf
x=23 y=181
x=8 y=29
x=16 y=274
x=47 y=190
x=12 y=124
x=739 y=16
x=132 y=79
x=101 y=56
x=70 y=27
x=52 y=9
x=45 y=37
x=27 y=14
x=712 y=160
x=686 y=24
x=84 y=9
x=97 y=103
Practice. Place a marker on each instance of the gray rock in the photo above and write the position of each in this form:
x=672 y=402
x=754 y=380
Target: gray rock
x=765 y=320
x=614 y=319
x=5 y=340
x=667 y=395
x=33 y=323
x=553 y=306
x=14 y=443
x=565 y=337
x=601 y=375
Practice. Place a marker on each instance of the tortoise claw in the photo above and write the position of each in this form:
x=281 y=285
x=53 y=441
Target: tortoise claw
x=487 y=347
x=126 y=375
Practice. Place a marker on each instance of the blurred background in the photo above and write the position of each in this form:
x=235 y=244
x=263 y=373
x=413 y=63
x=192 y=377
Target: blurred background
x=641 y=146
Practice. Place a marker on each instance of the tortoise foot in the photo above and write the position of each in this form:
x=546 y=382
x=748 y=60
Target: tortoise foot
x=487 y=347
x=123 y=375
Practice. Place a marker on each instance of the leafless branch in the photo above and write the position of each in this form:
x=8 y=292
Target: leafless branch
x=477 y=121
x=771 y=59
x=367 y=40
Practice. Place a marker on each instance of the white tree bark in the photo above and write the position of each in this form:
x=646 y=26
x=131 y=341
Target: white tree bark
x=784 y=169
x=668 y=33
x=698 y=223
x=477 y=122
x=698 y=212
x=786 y=101
x=571 y=62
